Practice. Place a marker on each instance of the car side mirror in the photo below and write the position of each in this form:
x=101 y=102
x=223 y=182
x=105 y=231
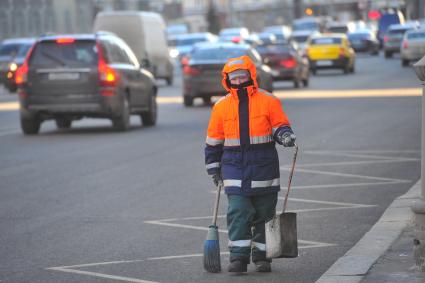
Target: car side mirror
x=145 y=63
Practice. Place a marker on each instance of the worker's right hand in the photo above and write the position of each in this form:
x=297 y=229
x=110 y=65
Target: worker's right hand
x=217 y=179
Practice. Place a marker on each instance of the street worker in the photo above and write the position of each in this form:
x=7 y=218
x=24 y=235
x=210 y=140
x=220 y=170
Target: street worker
x=240 y=152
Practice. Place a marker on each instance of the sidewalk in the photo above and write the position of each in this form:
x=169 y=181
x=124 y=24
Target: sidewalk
x=385 y=253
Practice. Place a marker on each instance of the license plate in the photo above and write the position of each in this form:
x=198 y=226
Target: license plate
x=63 y=76
x=275 y=72
x=324 y=63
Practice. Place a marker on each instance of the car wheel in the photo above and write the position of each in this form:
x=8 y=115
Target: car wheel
x=353 y=69
x=149 y=118
x=188 y=101
x=169 y=80
x=30 y=126
x=305 y=82
x=405 y=62
x=313 y=71
x=63 y=123
x=122 y=123
x=296 y=83
x=388 y=54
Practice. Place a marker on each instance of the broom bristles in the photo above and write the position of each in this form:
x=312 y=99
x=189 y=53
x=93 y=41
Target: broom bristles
x=212 y=256
x=212 y=251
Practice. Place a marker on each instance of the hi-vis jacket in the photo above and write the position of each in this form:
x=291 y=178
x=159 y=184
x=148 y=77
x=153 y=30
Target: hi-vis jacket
x=251 y=169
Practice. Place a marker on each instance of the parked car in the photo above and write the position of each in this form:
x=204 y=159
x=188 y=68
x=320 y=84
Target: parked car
x=286 y=62
x=202 y=75
x=331 y=51
x=68 y=77
x=182 y=44
x=282 y=33
x=387 y=19
x=413 y=46
x=232 y=34
x=144 y=32
x=12 y=56
x=364 y=41
x=394 y=36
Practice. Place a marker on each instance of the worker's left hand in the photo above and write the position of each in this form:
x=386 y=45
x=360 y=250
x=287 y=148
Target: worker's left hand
x=217 y=179
x=288 y=139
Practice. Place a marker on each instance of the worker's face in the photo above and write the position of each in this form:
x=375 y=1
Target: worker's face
x=239 y=80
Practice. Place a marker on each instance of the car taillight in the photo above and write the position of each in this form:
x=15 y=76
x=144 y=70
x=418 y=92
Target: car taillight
x=236 y=39
x=405 y=44
x=288 y=63
x=65 y=40
x=107 y=75
x=188 y=70
x=184 y=61
x=21 y=75
x=386 y=38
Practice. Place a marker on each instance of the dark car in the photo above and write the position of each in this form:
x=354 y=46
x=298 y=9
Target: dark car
x=69 y=77
x=394 y=37
x=287 y=62
x=12 y=56
x=202 y=75
x=364 y=41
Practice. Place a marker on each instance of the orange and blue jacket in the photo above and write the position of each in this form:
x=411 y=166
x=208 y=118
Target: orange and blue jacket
x=249 y=165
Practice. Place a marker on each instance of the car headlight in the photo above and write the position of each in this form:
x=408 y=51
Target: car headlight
x=174 y=53
x=13 y=67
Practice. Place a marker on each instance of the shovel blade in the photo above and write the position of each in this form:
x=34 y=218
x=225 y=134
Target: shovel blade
x=281 y=236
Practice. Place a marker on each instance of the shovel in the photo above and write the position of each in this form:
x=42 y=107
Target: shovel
x=281 y=230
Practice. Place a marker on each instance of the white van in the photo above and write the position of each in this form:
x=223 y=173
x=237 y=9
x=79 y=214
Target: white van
x=144 y=32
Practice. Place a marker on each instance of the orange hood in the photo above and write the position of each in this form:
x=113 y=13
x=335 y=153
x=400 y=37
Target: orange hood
x=239 y=63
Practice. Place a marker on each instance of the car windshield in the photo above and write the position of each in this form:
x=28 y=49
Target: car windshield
x=398 y=31
x=273 y=49
x=217 y=53
x=305 y=26
x=17 y=49
x=328 y=40
x=338 y=29
x=300 y=38
x=188 y=41
x=416 y=35
x=355 y=36
x=78 y=54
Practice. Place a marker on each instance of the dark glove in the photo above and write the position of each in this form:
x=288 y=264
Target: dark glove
x=217 y=179
x=288 y=139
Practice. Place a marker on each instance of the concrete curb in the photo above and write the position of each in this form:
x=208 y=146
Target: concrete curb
x=354 y=265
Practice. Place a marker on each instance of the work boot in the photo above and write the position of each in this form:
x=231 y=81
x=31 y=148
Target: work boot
x=237 y=266
x=263 y=266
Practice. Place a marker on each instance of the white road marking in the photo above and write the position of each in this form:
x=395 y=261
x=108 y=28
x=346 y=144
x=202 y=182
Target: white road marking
x=356 y=162
x=343 y=185
x=348 y=175
x=325 y=202
x=101 y=275
x=7 y=133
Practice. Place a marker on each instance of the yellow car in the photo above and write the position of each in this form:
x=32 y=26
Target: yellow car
x=330 y=51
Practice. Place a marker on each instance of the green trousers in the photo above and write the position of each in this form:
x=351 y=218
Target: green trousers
x=246 y=216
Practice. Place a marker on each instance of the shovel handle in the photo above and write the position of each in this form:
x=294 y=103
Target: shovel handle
x=294 y=159
x=217 y=201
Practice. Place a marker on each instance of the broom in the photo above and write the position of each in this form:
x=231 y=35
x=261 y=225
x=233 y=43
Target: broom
x=211 y=244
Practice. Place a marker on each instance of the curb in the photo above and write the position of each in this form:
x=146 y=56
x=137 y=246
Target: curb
x=354 y=265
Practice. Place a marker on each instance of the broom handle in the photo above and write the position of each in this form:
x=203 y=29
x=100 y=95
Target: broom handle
x=217 y=200
x=290 y=178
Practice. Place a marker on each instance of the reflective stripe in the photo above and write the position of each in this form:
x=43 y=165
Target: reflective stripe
x=232 y=142
x=213 y=165
x=231 y=63
x=266 y=183
x=212 y=141
x=260 y=246
x=232 y=183
x=261 y=139
x=240 y=243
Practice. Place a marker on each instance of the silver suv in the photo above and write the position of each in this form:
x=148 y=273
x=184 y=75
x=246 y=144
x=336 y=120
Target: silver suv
x=69 y=77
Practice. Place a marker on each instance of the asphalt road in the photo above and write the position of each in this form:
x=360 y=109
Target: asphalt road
x=93 y=205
